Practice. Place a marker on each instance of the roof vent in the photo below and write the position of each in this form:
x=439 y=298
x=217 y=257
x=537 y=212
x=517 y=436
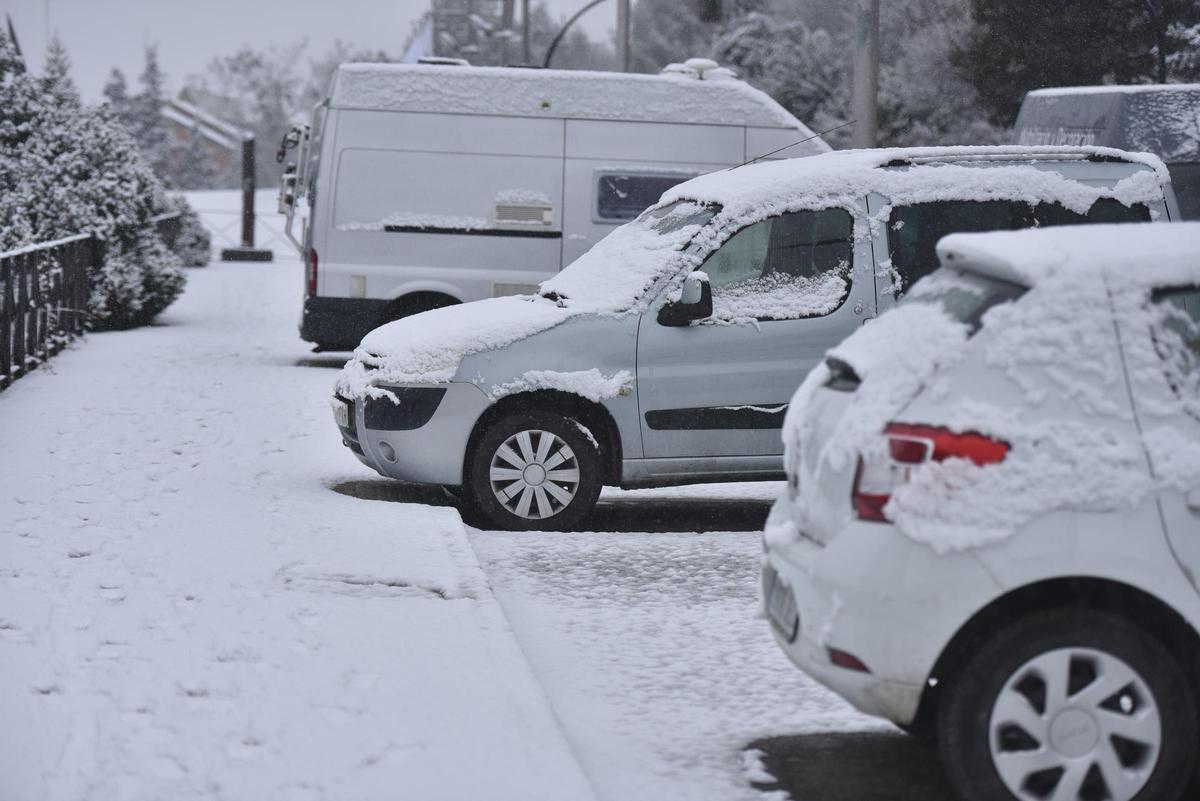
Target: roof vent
x=703 y=69
x=444 y=61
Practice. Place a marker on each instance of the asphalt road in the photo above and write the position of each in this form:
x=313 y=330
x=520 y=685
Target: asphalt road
x=826 y=766
x=854 y=766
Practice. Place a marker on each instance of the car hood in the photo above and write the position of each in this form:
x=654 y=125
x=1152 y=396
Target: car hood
x=428 y=348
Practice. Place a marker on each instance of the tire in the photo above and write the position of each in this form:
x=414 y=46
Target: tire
x=523 y=499
x=1069 y=698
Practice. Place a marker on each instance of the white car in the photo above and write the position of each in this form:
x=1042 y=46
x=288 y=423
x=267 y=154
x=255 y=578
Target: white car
x=991 y=532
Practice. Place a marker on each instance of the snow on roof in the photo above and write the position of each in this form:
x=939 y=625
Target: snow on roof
x=1127 y=89
x=223 y=133
x=1145 y=253
x=845 y=176
x=575 y=94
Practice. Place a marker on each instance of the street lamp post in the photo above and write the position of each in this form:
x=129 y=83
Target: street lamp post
x=866 y=74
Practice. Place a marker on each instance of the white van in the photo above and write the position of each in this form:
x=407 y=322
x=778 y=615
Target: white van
x=435 y=184
x=1163 y=119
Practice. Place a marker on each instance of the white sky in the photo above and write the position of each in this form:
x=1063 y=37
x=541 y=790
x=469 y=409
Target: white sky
x=102 y=34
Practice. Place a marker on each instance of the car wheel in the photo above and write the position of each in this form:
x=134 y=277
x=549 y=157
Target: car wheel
x=534 y=470
x=1069 y=705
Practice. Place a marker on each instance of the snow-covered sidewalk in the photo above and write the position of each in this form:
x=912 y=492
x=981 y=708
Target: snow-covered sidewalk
x=189 y=610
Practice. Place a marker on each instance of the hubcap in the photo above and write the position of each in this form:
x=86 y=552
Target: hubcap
x=534 y=474
x=1075 y=724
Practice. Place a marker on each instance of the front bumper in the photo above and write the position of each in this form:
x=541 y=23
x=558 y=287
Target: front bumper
x=423 y=438
x=340 y=323
x=885 y=599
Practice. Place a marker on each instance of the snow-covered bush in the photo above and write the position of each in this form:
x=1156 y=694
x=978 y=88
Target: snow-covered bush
x=193 y=243
x=67 y=169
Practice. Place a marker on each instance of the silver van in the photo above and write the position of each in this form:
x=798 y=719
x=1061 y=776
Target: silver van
x=426 y=185
x=668 y=353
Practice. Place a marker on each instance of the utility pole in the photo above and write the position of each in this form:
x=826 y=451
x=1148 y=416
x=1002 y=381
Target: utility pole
x=623 y=55
x=526 y=55
x=866 y=74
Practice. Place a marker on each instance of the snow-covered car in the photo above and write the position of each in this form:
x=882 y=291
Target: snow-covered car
x=991 y=531
x=668 y=353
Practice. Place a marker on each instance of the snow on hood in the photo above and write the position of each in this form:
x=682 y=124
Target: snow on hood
x=428 y=348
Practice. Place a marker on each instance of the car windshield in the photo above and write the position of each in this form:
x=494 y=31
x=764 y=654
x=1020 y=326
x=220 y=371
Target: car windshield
x=678 y=215
x=628 y=263
x=962 y=295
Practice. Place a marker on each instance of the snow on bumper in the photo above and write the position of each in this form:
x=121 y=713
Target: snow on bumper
x=876 y=595
x=421 y=437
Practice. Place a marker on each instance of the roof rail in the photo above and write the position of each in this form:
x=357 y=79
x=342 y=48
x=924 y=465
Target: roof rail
x=1005 y=154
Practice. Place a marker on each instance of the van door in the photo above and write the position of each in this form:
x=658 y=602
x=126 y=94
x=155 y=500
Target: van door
x=1164 y=365
x=784 y=291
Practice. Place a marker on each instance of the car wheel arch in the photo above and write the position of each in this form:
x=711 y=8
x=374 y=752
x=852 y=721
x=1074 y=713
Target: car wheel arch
x=592 y=415
x=1140 y=607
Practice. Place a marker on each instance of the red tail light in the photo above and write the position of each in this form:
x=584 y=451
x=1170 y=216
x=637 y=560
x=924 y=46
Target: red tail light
x=909 y=446
x=311 y=273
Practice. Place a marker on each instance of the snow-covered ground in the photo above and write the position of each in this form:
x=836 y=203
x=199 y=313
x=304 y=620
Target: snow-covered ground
x=192 y=606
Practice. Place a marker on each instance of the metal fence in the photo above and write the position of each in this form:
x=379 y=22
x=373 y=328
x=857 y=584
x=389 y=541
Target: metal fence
x=43 y=301
x=44 y=296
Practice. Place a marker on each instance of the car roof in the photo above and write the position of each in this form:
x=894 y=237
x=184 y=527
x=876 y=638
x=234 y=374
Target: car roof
x=910 y=175
x=1140 y=254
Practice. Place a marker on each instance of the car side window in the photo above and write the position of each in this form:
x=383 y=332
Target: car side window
x=1104 y=210
x=914 y=231
x=621 y=197
x=1176 y=332
x=787 y=267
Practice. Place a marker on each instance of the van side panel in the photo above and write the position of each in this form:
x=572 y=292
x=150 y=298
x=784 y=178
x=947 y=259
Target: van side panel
x=761 y=141
x=434 y=180
x=595 y=146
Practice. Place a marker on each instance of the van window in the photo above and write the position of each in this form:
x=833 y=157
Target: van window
x=1176 y=333
x=913 y=231
x=621 y=197
x=783 y=268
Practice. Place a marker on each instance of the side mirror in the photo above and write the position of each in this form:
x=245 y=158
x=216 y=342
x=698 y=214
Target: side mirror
x=695 y=302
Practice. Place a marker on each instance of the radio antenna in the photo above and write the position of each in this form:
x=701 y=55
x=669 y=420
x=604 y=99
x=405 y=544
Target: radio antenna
x=793 y=144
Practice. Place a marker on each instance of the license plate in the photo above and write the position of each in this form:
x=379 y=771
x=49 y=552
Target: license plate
x=780 y=603
x=341 y=413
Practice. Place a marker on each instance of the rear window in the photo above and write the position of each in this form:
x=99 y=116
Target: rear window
x=964 y=296
x=914 y=231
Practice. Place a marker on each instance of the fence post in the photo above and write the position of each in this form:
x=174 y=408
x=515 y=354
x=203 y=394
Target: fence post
x=38 y=348
x=6 y=321
x=21 y=304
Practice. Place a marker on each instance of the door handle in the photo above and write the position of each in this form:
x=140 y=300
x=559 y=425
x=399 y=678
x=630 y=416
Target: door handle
x=1192 y=499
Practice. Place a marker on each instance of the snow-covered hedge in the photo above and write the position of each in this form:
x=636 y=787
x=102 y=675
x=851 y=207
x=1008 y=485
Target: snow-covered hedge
x=193 y=243
x=67 y=169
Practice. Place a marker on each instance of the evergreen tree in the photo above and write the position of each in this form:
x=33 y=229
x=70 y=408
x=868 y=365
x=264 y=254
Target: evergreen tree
x=116 y=94
x=145 y=119
x=1014 y=46
x=56 y=76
